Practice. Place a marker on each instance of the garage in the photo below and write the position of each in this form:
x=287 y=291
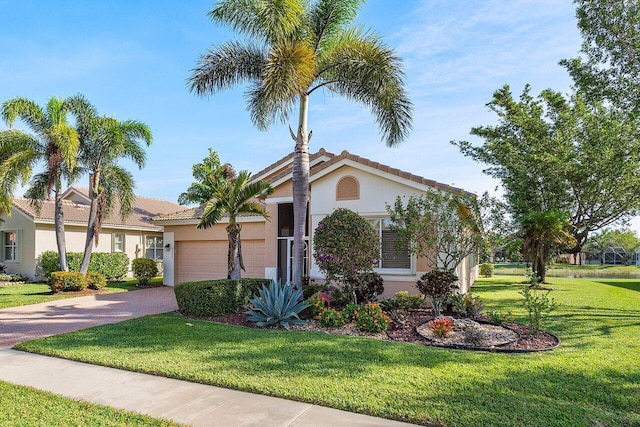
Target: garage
x=207 y=259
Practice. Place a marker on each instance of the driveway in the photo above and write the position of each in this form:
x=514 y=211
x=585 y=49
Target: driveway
x=27 y=322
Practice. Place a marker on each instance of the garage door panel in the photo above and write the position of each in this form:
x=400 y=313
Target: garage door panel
x=206 y=260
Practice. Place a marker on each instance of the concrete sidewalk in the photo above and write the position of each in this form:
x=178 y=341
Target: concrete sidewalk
x=180 y=401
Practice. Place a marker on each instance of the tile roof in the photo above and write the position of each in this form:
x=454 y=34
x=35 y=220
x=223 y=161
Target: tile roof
x=144 y=209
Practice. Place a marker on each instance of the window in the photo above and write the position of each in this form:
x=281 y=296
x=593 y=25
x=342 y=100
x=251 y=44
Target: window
x=117 y=240
x=348 y=188
x=391 y=257
x=10 y=251
x=153 y=247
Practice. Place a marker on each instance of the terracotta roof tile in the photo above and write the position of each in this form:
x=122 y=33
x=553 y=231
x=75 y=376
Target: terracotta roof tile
x=144 y=209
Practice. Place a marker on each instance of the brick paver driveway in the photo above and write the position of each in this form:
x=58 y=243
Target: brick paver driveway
x=23 y=323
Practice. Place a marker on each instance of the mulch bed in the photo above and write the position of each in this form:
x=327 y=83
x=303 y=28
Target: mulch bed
x=407 y=333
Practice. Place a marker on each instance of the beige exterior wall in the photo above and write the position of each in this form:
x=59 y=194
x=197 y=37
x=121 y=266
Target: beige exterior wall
x=202 y=254
x=24 y=226
x=39 y=237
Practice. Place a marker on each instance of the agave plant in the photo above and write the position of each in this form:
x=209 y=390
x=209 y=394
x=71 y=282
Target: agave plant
x=277 y=304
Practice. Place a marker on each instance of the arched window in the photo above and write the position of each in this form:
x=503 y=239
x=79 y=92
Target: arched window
x=348 y=188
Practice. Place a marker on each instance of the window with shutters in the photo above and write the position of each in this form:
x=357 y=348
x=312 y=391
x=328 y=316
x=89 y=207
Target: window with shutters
x=348 y=188
x=392 y=257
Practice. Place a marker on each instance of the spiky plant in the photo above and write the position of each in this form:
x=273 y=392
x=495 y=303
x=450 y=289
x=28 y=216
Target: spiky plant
x=277 y=305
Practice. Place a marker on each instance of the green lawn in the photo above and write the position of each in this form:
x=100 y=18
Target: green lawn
x=568 y=270
x=593 y=377
x=33 y=293
x=25 y=407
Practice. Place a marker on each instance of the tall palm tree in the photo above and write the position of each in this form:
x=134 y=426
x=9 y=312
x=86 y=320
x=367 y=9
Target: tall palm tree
x=292 y=49
x=104 y=141
x=53 y=142
x=542 y=232
x=233 y=197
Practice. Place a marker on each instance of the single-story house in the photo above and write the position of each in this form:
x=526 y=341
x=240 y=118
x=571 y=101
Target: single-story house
x=27 y=233
x=336 y=181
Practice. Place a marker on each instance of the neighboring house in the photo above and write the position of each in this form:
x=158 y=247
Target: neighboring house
x=27 y=233
x=336 y=181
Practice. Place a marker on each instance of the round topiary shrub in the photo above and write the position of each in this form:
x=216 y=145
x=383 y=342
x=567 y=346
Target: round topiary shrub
x=486 y=269
x=144 y=269
x=344 y=247
x=96 y=281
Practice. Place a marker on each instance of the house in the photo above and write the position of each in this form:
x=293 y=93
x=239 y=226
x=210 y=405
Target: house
x=26 y=233
x=336 y=181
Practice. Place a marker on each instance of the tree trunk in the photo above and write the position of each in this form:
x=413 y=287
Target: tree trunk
x=234 y=256
x=300 y=191
x=91 y=224
x=59 y=228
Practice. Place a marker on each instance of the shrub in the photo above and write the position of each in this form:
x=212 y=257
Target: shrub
x=318 y=303
x=277 y=305
x=216 y=297
x=144 y=269
x=67 y=281
x=3 y=268
x=437 y=285
x=441 y=327
x=500 y=317
x=538 y=305
x=467 y=305
x=309 y=288
x=486 y=269
x=403 y=301
x=368 y=286
x=371 y=318
x=331 y=318
x=349 y=312
x=113 y=266
x=334 y=250
x=15 y=277
x=96 y=281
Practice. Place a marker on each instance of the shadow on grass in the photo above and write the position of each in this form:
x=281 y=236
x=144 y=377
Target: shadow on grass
x=625 y=284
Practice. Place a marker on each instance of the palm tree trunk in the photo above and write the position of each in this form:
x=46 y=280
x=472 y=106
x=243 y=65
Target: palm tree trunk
x=300 y=191
x=234 y=261
x=59 y=228
x=91 y=224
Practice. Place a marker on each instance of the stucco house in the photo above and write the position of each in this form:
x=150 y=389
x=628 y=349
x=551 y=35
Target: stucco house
x=26 y=233
x=336 y=181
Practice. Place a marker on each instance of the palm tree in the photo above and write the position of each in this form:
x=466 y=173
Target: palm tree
x=234 y=197
x=206 y=174
x=54 y=142
x=104 y=141
x=542 y=232
x=293 y=48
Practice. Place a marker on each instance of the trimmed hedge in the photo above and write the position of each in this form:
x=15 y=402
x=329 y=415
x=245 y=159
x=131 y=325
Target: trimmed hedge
x=113 y=266
x=96 y=281
x=144 y=269
x=216 y=297
x=67 y=281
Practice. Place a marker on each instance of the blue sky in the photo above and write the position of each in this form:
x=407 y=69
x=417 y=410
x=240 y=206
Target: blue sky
x=131 y=59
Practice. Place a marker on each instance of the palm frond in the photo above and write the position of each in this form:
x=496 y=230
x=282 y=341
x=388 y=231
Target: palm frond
x=212 y=213
x=66 y=140
x=329 y=17
x=360 y=67
x=26 y=110
x=267 y=20
x=225 y=67
x=84 y=113
x=38 y=190
x=117 y=183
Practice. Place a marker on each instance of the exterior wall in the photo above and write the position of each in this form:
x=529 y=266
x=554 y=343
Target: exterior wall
x=26 y=263
x=202 y=254
x=36 y=238
x=375 y=191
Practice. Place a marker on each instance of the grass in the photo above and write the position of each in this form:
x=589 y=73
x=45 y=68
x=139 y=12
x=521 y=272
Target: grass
x=26 y=406
x=593 y=377
x=568 y=270
x=15 y=295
